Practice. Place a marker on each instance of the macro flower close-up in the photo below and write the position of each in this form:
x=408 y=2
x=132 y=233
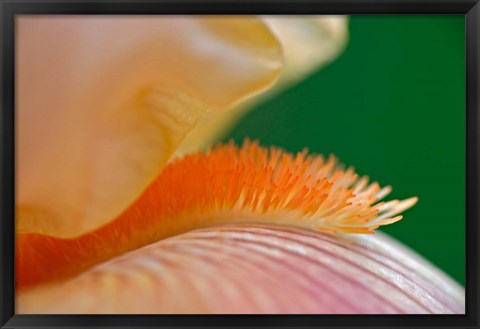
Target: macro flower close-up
x=137 y=193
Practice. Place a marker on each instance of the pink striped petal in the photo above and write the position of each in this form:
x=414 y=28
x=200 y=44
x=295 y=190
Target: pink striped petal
x=256 y=269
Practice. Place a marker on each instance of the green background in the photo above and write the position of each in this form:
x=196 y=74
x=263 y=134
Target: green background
x=393 y=106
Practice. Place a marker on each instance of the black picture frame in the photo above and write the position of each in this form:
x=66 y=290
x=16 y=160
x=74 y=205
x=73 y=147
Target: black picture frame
x=9 y=9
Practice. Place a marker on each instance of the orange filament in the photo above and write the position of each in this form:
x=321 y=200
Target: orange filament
x=226 y=185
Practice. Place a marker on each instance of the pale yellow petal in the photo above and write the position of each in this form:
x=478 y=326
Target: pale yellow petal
x=308 y=42
x=103 y=102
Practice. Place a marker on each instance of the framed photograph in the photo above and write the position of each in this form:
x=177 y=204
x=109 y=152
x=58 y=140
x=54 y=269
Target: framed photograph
x=232 y=164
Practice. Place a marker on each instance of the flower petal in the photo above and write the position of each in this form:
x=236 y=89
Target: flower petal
x=308 y=43
x=103 y=102
x=254 y=269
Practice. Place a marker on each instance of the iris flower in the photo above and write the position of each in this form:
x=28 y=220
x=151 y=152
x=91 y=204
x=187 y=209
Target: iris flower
x=119 y=212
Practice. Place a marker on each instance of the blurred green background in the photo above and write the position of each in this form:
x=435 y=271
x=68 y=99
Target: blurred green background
x=393 y=106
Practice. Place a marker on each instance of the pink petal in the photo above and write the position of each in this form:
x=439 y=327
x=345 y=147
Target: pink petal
x=255 y=269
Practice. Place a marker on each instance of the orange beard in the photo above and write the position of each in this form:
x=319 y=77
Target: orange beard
x=250 y=184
